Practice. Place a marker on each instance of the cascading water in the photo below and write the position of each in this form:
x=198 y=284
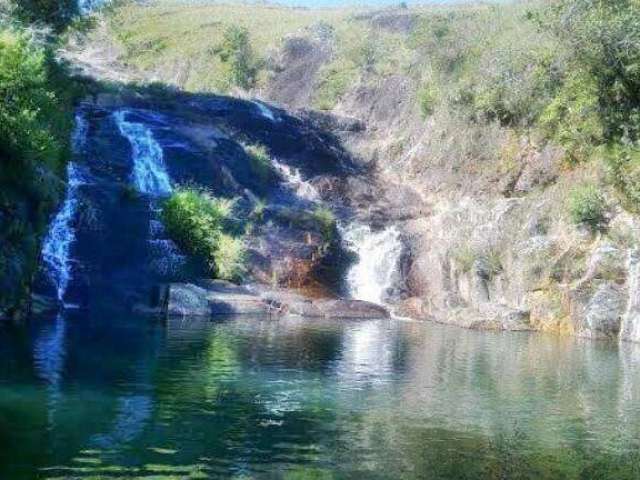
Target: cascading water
x=150 y=176
x=264 y=110
x=377 y=268
x=57 y=244
x=149 y=172
x=294 y=181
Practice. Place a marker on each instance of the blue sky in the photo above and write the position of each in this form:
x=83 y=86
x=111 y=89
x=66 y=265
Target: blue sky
x=340 y=3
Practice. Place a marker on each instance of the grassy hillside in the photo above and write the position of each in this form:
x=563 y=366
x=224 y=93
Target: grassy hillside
x=182 y=42
x=560 y=71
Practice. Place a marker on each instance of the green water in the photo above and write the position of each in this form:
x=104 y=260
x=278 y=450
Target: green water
x=122 y=397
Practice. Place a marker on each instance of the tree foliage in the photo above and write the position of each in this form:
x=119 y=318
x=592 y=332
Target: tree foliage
x=35 y=125
x=237 y=57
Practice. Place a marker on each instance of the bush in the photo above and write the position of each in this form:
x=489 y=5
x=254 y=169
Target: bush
x=237 y=58
x=587 y=206
x=573 y=117
x=624 y=169
x=199 y=223
x=427 y=98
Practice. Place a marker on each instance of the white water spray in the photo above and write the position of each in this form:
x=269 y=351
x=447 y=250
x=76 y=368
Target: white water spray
x=149 y=172
x=376 y=270
x=57 y=244
x=264 y=110
x=294 y=181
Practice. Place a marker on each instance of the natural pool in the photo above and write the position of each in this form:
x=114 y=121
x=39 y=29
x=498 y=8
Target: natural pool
x=113 y=396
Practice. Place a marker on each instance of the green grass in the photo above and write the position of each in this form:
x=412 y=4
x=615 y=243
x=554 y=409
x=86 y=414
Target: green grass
x=182 y=41
x=200 y=223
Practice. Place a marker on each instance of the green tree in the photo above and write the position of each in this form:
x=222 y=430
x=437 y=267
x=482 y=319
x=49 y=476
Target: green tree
x=57 y=13
x=237 y=56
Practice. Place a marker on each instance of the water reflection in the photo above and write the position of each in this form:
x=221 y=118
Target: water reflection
x=260 y=398
x=49 y=353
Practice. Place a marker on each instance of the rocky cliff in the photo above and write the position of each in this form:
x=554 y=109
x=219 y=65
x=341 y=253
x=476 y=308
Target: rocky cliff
x=484 y=212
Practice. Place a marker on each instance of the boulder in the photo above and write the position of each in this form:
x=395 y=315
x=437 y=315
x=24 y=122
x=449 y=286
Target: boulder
x=211 y=298
x=208 y=298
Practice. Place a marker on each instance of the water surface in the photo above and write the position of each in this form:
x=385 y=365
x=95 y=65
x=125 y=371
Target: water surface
x=113 y=396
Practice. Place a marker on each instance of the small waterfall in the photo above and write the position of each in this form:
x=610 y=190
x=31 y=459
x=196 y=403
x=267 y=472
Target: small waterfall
x=294 y=181
x=166 y=257
x=149 y=173
x=376 y=270
x=56 y=249
x=264 y=110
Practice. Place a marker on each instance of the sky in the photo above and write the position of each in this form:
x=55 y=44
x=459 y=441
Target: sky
x=341 y=3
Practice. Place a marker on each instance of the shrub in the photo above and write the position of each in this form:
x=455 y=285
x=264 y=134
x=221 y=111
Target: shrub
x=587 y=206
x=230 y=257
x=573 y=117
x=199 y=223
x=427 y=98
x=237 y=57
x=624 y=169
x=335 y=80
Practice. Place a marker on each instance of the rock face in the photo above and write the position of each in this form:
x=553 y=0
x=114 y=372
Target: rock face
x=210 y=298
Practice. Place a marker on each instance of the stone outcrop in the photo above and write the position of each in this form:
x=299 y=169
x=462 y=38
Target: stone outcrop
x=211 y=298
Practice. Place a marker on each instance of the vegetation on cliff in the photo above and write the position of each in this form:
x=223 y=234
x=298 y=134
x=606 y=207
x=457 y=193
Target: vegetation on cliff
x=35 y=124
x=203 y=225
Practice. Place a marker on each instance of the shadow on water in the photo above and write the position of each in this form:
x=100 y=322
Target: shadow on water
x=102 y=393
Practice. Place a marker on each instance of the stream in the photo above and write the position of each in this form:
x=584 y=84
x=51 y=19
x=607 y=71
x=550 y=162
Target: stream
x=96 y=391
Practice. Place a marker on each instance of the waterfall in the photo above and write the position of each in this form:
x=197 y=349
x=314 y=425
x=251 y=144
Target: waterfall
x=294 y=181
x=57 y=244
x=264 y=110
x=376 y=270
x=149 y=173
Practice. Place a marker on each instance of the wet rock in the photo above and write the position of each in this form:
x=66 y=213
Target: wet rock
x=212 y=298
